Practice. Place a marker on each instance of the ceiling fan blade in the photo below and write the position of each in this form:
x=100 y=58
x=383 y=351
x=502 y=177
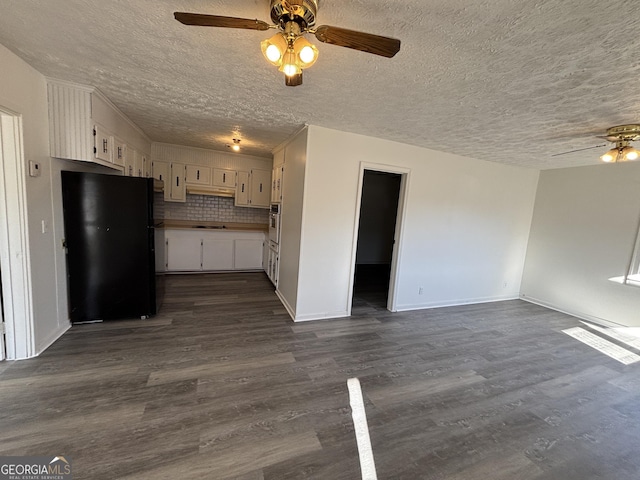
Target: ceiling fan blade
x=579 y=150
x=201 y=20
x=365 y=42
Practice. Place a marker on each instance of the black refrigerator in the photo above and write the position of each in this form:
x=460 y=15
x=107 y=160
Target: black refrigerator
x=109 y=235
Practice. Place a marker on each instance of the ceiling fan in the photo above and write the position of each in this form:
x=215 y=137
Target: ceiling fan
x=288 y=49
x=621 y=136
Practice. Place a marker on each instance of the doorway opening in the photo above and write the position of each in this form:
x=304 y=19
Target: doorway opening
x=379 y=202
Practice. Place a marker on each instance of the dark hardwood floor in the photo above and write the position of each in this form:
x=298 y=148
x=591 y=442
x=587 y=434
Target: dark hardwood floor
x=222 y=385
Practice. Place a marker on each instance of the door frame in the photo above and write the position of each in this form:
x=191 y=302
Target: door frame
x=405 y=176
x=14 y=240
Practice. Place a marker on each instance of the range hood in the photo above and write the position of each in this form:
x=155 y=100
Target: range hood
x=213 y=191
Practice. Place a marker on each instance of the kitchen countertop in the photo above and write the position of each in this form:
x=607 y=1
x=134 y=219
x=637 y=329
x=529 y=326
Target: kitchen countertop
x=169 y=223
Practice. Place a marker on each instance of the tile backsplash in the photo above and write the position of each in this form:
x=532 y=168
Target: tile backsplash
x=208 y=208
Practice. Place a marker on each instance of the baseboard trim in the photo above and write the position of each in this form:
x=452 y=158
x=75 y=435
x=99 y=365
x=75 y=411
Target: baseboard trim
x=288 y=308
x=323 y=316
x=50 y=340
x=580 y=315
x=455 y=303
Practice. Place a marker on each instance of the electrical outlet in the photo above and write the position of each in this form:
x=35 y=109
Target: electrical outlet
x=420 y=290
x=505 y=284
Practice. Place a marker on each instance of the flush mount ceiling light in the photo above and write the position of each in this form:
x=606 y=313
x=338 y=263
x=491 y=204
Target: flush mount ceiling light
x=622 y=136
x=236 y=145
x=288 y=49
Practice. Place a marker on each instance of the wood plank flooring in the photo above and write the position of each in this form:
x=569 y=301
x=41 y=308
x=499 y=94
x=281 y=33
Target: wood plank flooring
x=222 y=385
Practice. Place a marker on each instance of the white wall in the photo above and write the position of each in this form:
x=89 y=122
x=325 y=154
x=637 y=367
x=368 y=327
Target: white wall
x=23 y=91
x=582 y=234
x=465 y=232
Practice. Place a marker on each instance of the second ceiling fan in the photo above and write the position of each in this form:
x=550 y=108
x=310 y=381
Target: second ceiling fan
x=288 y=49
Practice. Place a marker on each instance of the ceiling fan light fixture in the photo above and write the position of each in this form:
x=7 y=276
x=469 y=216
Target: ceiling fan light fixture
x=236 y=145
x=290 y=65
x=306 y=52
x=610 y=156
x=629 y=153
x=274 y=48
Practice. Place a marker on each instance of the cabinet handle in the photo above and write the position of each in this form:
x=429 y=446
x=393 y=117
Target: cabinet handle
x=177 y=181
x=104 y=145
x=260 y=188
x=160 y=177
x=198 y=175
x=243 y=188
x=224 y=178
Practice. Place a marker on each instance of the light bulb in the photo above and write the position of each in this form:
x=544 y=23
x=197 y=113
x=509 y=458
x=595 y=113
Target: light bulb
x=610 y=156
x=236 y=148
x=307 y=55
x=273 y=53
x=274 y=48
x=306 y=52
x=632 y=154
x=289 y=70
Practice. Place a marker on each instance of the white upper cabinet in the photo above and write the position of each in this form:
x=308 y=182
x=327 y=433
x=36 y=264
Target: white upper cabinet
x=198 y=175
x=129 y=161
x=260 y=188
x=242 y=190
x=84 y=125
x=224 y=178
x=103 y=144
x=177 y=191
x=161 y=171
x=119 y=151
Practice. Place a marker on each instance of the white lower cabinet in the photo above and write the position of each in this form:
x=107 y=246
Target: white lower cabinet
x=183 y=251
x=218 y=254
x=248 y=254
x=196 y=250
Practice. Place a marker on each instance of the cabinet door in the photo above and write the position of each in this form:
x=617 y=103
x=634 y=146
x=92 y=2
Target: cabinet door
x=129 y=161
x=265 y=256
x=146 y=166
x=184 y=253
x=178 y=192
x=260 y=188
x=217 y=254
x=119 y=151
x=276 y=182
x=198 y=175
x=161 y=171
x=248 y=254
x=224 y=178
x=138 y=165
x=103 y=144
x=242 y=189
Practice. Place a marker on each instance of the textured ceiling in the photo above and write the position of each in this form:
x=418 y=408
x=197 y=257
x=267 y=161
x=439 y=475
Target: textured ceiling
x=512 y=81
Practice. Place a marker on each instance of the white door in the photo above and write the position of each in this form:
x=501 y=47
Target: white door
x=15 y=269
